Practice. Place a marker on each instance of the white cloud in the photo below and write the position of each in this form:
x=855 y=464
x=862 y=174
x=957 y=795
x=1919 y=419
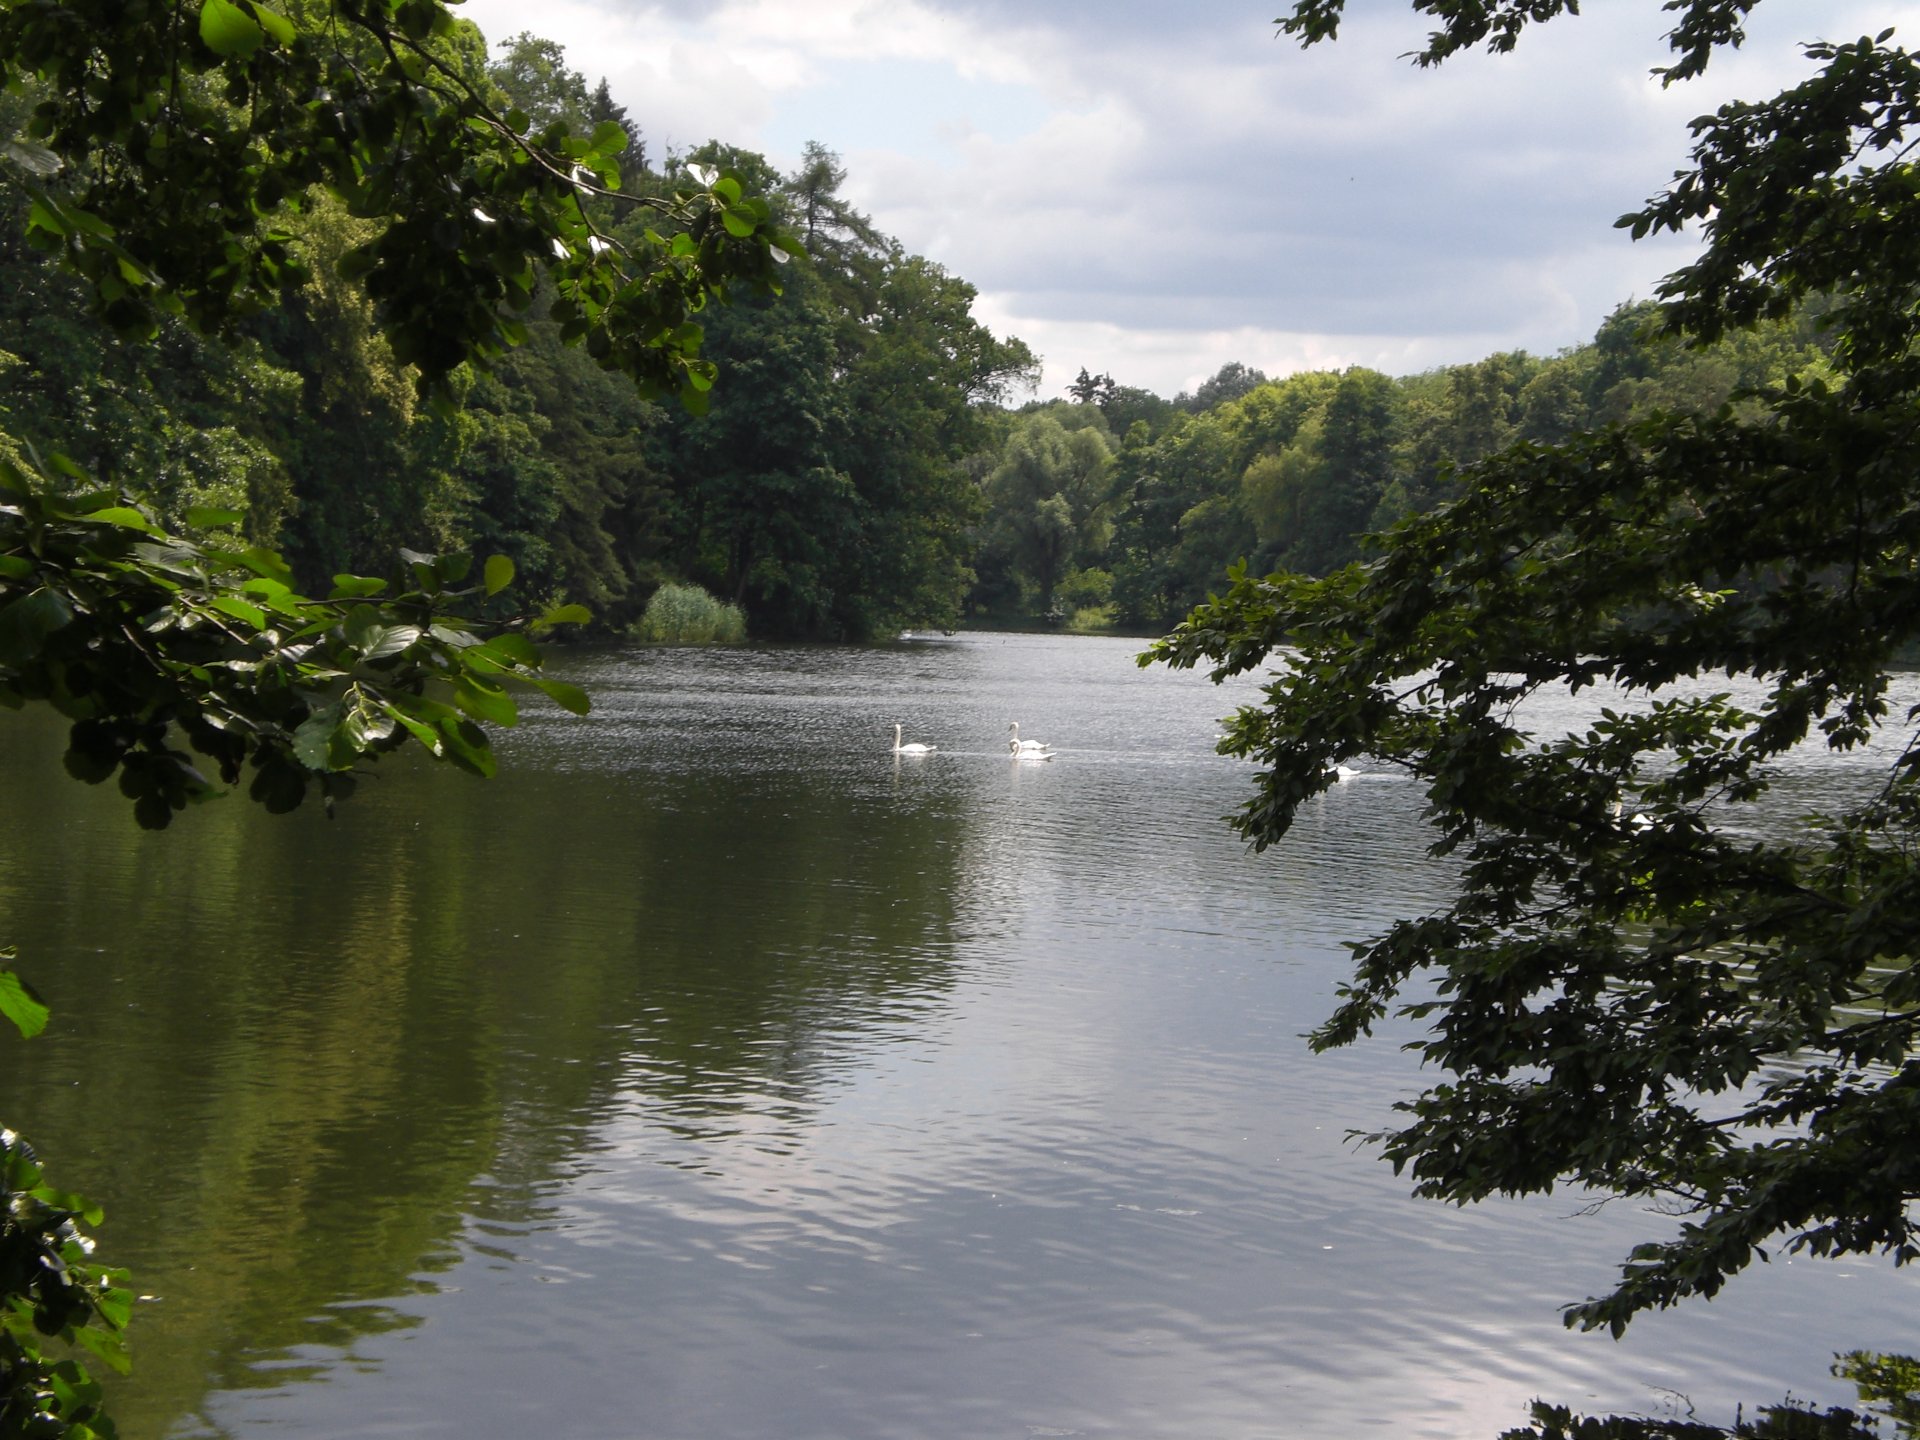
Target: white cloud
x=1140 y=190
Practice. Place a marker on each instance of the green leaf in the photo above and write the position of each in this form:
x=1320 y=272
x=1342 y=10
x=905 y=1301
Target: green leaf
x=466 y=746
x=212 y=517
x=92 y=753
x=239 y=610
x=122 y=515
x=737 y=224
x=361 y=622
x=26 y=623
x=563 y=615
x=426 y=734
x=312 y=742
x=267 y=563
x=353 y=587
x=567 y=697
x=512 y=648
x=484 y=700
x=18 y=1003
x=499 y=573
x=106 y=1345
x=379 y=641
x=275 y=24
x=229 y=30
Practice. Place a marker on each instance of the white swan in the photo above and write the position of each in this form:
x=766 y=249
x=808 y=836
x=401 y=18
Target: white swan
x=1340 y=774
x=1014 y=749
x=915 y=748
x=1026 y=748
x=1635 y=819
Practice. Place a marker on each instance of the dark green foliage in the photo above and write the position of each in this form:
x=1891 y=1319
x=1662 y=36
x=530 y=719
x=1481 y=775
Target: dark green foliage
x=1049 y=498
x=469 y=205
x=768 y=507
x=1229 y=382
x=603 y=109
x=1778 y=1422
x=536 y=80
x=150 y=643
x=1090 y=389
x=824 y=492
x=51 y=1289
x=1648 y=983
x=1298 y=472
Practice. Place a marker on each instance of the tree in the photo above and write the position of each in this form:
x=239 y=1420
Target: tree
x=452 y=210
x=534 y=76
x=766 y=506
x=1647 y=983
x=828 y=225
x=919 y=374
x=1229 y=382
x=1090 y=389
x=1049 y=495
x=182 y=133
x=603 y=109
x=823 y=491
x=171 y=145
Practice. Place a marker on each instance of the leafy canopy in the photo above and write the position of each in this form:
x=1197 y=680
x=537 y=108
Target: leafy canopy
x=176 y=137
x=1649 y=981
x=172 y=149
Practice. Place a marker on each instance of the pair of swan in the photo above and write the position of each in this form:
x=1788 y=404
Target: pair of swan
x=1016 y=747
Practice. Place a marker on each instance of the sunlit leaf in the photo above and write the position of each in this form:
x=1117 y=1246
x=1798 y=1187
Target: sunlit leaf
x=122 y=515
x=20 y=1004
x=484 y=700
x=564 y=615
x=567 y=697
x=229 y=30
x=274 y=23
x=499 y=573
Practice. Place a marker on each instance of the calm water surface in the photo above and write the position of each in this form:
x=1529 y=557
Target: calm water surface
x=715 y=1072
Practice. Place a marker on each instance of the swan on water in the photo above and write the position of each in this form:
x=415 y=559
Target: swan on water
x=915 y=748
x=1013 y=749
x=1634 y=819
x=1025 y=747
x=1341 y=773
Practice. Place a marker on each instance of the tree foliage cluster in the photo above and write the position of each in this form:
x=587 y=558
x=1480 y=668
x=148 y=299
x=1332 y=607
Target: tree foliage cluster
x=207 y=168
x=1655 y=978
x=1294 y=473
x=817 y=488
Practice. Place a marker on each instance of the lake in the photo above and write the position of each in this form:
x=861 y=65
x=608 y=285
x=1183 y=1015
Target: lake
x=717 y=1072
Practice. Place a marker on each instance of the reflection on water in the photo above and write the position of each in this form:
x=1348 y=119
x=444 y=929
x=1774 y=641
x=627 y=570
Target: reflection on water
x=717 y=1071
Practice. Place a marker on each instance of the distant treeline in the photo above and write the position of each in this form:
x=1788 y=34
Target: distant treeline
x=1117 y=507
x=858 y=469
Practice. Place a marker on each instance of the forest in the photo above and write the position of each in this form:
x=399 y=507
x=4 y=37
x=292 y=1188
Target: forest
x=342 y=366
x=864 y=462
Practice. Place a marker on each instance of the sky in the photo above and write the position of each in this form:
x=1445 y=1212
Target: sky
x=1151 y=191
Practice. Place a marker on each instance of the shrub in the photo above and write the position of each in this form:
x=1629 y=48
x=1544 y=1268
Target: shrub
x=1082 y=589
x=688 y=615
x=1093 y=619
